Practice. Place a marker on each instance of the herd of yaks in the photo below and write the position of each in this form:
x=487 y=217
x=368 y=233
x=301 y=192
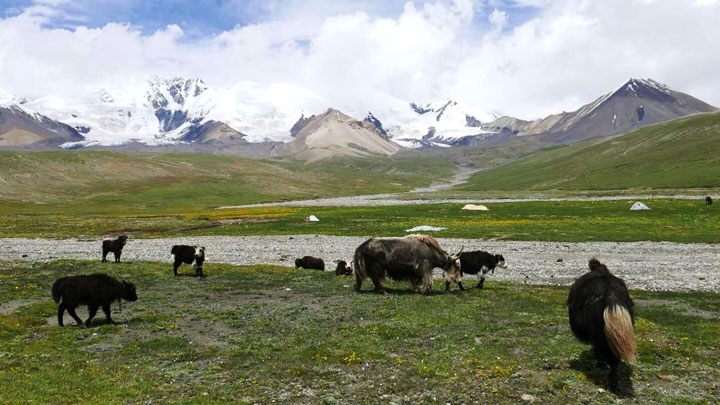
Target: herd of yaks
x=599 y=306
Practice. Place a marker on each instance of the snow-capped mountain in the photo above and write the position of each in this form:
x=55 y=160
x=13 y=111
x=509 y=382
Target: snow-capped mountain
x=437 y=124
x=21 y=129
x=637 y=103
x=166 y=111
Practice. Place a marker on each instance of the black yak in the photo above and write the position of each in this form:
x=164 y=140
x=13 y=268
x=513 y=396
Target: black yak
x=309 y=262
x=601 y=314
x=94 y=290
x=708 y=200
x=410 y=258
x=187 y=254
x=479 y=263
x=115 y=246
x=343 y=269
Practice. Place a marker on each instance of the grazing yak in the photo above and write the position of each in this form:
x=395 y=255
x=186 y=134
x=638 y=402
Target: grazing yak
x=187 y=254
x=410 y=258
x=601 y=314
x=309 y=262
x=95 y=290
x=115 y=246
x=708 y=200
x=343 y=269
x=479 y=263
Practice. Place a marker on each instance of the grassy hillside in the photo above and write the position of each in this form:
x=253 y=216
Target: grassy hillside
x=683 y=153
x=104 y=182
x=268 y=334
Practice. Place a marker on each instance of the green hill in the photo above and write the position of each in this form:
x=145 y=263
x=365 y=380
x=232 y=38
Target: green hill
x=81 y=181
x=683 y=153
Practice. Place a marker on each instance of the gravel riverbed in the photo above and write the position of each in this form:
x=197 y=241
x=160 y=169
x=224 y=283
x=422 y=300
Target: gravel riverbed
x=656 y=266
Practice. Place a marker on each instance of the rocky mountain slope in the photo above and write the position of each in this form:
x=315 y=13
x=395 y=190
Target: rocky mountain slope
x=336 y=134
x=19 y=129
x=637 y=103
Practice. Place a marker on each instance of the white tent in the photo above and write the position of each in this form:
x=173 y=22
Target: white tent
x=473 y=207
x=312 y=218
x=639 y=206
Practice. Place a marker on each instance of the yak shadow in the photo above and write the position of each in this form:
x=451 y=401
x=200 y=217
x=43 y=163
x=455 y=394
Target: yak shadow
x=599 y=374
x=398 y=291
x=193 y=275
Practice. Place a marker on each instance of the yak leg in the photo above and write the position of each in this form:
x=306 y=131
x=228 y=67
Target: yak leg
x=481 y=280
x=92 y=310
x=427 y=278
x=61 y=312
x=106 y=309
x=72 y=313
x=117 y=256
x=358 y=281
x=105 y=252
x=175 y=267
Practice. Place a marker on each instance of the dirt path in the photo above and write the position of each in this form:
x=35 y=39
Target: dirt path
x=644 y=265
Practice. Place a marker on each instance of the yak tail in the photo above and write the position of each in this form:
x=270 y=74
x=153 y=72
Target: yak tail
x=619 y=332
x=56 y=291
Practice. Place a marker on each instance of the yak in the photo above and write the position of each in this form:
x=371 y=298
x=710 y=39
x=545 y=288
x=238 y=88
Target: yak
x=115 y=246
x=411 y=258
x=708 y=200
x=188 y=254
x=343 y=269
x=479 y=263
x=94 y=290
x=601 y=314
x=309 y=262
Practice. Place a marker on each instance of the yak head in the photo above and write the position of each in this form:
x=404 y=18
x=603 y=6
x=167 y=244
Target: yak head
x=122 y=239
x=453 y=267
x=129 y=291
x=500 y=261
x=199 y=252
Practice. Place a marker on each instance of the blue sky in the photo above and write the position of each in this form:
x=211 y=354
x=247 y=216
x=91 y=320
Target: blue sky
x=201 y=18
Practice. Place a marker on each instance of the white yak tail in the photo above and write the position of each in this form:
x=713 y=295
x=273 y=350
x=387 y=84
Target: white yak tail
x=620 y=333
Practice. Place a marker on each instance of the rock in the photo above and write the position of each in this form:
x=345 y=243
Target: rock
x=527 y=398
x=560 y=260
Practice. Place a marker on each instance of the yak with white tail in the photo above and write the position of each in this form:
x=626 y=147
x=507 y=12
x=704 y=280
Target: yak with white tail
x=601 y=314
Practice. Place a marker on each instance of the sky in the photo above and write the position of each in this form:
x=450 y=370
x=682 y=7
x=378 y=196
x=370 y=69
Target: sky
x=526 y=58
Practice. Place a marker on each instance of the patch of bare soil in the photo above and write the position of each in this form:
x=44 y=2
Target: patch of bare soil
x=11 y=306
x=684 y=307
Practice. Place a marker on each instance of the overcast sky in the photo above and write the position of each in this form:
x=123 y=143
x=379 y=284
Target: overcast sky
x=527 y=58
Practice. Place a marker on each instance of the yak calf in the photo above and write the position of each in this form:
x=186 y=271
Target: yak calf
x=115 y=246
x=187 y=254
x=601 y=314
x=343 y=269
x=309 y=262
x=478 y=263
x=95 y=290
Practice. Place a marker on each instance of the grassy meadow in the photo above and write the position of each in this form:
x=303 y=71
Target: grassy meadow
x=265 y=334
x=567 y=221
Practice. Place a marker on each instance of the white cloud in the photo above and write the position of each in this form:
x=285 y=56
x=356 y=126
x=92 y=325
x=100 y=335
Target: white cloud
x=572 y=52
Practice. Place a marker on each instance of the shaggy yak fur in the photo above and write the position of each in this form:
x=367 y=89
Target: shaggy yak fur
x=188 y=254
x=601 y=314
x=410 y=258
x=708 y=200
x=479 y=263
x=95 y=291
x=309 y=262
x=115 y=246
x=343 y=269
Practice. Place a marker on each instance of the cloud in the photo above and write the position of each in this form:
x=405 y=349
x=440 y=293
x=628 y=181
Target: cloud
x=360 y=56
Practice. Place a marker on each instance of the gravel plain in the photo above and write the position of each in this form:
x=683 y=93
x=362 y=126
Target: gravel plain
x=655 y=266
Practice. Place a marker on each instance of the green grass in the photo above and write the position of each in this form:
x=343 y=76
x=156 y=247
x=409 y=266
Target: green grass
x=679 y=154
x=568 y=221
x=112 y=182
x=266 y=333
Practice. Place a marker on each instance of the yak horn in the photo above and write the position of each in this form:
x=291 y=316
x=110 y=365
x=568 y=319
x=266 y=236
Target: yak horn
x=461 y=250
